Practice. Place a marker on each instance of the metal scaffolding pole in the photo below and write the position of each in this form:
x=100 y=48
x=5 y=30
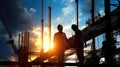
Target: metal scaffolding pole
x=108 y=32
x=93 y=21
x=109 y=42
x=42 y=23
x=49 y=20
x=76 y=12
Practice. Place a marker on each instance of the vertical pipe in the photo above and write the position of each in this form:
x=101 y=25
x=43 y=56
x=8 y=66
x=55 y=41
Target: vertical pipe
x=19 y=40
x=25 y=35
x=27 y=45
x=93 y=21
x=108 y=34
x=109 y=43
x=92 y=11
x=49 y=20
x=42 y=22
x=42 y=35
x=25 y=50
x=77 y=12
x=27 y=39
x=22 y=40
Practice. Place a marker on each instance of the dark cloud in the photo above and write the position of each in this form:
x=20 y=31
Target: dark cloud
x=15 y=16
x=2 y=29
x=6 y=50
x=16 y=19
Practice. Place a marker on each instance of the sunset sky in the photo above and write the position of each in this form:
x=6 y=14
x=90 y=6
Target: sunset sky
x=22 y=15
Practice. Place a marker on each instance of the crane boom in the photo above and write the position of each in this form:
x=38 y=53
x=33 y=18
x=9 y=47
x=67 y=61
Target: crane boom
x=11 y=41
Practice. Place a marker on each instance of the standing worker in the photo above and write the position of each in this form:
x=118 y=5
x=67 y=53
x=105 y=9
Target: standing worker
x=60 y=42
x=78 y=44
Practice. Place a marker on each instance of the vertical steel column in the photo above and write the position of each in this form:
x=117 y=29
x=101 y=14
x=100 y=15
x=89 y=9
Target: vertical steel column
x=93 y=21
x=108 y=33
x=76 y=12
x=42 y=22
x=49 y=20
x=19 y=40
x=109 y=42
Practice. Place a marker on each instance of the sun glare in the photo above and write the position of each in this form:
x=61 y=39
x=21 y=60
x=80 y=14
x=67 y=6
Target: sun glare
x=32 y=58
x=37 y=39
x=47 y=45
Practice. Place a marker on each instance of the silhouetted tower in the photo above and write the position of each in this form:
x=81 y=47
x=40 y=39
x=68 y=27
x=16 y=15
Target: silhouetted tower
x=23 y=49
x=42 y=23
x=23 y=45
x=49 y=20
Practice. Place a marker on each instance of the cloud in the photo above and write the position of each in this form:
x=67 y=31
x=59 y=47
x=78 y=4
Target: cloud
x=67 y=10
x=68 y=17
x=67 y=2
x=102 y=12
x=87 y=6
x=71 y=1
x=16 y=19
x=59 y=19
x=32 y=10
x=5 y=49
x=15 y=16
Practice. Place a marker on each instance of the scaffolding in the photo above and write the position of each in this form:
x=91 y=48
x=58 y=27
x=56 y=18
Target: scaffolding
x=93 y=30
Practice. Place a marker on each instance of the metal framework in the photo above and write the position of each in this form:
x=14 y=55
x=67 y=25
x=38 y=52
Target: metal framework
x=93 y=30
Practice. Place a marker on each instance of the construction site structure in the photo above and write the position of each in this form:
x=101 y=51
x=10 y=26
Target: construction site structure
x=23 y=52
x=103 y=25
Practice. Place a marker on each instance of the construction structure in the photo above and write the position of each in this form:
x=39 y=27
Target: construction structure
x=108 y=25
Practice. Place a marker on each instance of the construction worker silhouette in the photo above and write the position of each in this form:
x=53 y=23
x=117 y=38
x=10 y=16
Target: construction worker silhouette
x=78 y=43
x=60 y=41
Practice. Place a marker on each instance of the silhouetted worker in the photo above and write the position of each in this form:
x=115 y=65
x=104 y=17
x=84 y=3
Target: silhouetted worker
x=60 y=41
x=78 y=44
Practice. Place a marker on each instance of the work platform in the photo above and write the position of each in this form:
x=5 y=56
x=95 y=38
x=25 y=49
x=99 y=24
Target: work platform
x=98 y=28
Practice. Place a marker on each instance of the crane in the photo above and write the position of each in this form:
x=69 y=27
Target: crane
x=22 y=52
